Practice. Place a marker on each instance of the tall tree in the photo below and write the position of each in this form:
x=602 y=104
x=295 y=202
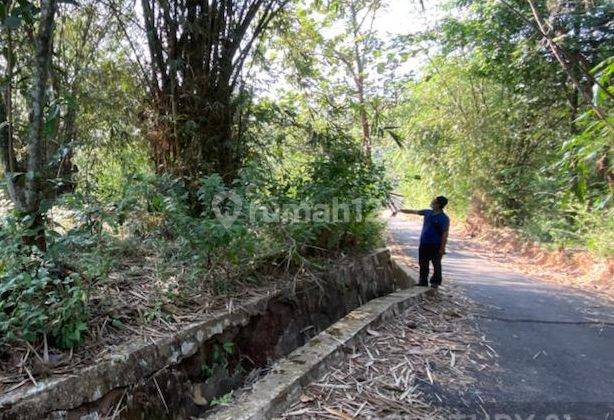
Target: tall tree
x=363 y=42
x=197 y=51
x=342 y=60
x=26 y=178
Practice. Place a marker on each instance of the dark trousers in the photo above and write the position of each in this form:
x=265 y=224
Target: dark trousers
x=426 y=254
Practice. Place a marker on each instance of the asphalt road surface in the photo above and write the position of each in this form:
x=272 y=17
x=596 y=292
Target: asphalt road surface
x=555 y=345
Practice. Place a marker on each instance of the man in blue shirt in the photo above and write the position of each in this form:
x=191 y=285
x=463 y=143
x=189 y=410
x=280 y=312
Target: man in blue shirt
x=432 y=240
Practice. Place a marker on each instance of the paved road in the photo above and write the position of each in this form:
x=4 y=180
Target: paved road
x=555 y=345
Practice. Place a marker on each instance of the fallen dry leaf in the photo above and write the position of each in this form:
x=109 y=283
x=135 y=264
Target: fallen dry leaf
x=305 y=398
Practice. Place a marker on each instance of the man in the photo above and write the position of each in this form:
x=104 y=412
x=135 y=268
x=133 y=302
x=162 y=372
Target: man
x=432 y=240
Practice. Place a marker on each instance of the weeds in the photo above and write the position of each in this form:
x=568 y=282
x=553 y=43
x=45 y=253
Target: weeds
x=38 y=295
x=165 y=232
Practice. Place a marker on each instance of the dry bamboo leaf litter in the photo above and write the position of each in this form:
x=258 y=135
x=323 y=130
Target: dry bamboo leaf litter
x=129 y=306
x=390 y=370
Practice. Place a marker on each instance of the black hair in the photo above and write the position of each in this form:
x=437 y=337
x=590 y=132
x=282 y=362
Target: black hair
x=442 y=201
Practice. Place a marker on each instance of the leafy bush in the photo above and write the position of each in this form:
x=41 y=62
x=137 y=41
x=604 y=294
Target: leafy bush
x=38 y=297
x=225 y=224
x=345 y=176
x=186 y=224
x=187 y=219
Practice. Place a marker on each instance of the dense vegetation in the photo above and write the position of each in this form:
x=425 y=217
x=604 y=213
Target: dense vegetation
x=205 y=142
x=514 y=121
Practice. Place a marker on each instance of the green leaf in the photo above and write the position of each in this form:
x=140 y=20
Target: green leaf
x=397 y=139
x=229 y=347
x=12 y=22
x=117 y=323
x=52 y=120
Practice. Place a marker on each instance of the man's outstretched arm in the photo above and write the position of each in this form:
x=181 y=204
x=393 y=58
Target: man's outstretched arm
x=407 y=211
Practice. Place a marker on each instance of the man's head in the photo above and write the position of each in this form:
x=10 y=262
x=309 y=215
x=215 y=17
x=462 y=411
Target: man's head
x=439 y=203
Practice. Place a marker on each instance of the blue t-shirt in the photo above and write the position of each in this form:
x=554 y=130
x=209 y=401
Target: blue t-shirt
x=435 y=224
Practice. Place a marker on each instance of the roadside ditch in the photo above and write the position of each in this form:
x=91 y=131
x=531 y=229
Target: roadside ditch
x=194 y=370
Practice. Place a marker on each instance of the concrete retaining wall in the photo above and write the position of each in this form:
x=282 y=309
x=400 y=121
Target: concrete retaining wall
x=165 y=379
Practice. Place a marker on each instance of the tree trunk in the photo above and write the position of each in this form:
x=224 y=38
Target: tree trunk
x=197 y=50
x=37 y=153
x=364 y=120
x=359 y=80
x=219 y=152
x=26 y=191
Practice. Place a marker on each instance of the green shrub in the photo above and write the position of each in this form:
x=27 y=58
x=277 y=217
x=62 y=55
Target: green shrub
x=38 y=297
x=190 y=220
x=343 y=175
x=42 y=296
